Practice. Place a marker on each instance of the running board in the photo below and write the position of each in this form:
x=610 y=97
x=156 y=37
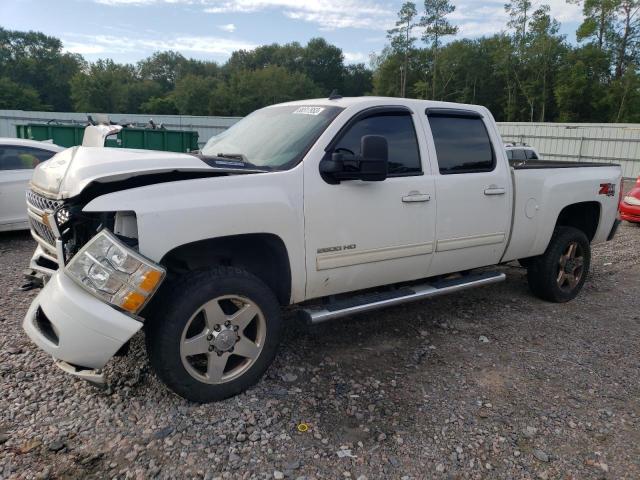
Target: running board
x=373 y=301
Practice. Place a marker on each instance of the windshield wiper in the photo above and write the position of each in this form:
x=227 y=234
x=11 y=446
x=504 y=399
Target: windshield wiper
x=228 y=160
x=234 y=156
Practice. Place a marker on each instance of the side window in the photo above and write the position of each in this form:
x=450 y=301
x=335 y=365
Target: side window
x=510 y=154
x=22 y=158
x=398 y=129
x=518 y=154
x=531 y=155
x=462 y=144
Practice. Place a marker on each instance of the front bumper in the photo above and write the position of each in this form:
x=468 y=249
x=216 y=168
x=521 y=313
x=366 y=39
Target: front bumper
x=75 y=327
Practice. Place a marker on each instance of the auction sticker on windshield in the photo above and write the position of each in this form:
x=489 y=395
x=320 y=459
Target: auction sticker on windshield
x=308 y=110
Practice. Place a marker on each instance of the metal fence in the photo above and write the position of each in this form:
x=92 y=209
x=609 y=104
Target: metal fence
x=206 y=127
x=586 y=142
x=581 y=142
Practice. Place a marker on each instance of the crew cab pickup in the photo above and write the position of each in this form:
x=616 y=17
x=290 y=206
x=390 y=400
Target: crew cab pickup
x=337 y=206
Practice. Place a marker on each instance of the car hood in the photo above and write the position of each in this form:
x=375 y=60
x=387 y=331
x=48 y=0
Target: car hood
x=69 y=172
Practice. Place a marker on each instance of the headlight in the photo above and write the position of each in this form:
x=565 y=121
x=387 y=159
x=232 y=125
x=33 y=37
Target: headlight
x=62 y=216
x=114 y=273
x=632 y=200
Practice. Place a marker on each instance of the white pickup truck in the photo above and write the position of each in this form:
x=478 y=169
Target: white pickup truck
x=339 y=206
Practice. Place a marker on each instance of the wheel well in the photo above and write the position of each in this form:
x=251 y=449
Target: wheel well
x=584 y=216
x=262 y=254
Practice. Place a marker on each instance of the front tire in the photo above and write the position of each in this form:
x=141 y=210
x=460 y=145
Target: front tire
x=216 y=333
x=559 y=274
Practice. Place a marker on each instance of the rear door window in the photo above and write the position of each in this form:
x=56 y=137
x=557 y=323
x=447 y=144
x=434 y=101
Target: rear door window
x=531 y=155
x=462 y=142
x=518 y=154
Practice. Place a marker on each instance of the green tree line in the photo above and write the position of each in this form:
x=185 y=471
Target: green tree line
x=528 y=72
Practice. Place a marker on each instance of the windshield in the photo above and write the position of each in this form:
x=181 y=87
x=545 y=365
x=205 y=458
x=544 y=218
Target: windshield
x=274 y=137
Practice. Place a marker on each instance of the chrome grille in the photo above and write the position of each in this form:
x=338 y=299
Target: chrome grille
x=39 y=205
x=41 y=202
x=43 y=231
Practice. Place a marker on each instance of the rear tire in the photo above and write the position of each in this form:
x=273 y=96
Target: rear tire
x=559 y=274
x=215 y=333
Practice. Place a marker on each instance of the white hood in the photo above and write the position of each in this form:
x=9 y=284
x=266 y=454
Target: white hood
x=67 y=173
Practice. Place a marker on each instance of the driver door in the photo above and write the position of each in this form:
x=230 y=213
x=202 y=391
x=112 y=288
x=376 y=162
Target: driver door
x=361 y=234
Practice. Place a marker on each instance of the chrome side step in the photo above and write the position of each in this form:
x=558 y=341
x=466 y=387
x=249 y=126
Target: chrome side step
x=373 y=301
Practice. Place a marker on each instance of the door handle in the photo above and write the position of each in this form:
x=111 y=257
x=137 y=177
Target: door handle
x=416 y=197
x=494 y=190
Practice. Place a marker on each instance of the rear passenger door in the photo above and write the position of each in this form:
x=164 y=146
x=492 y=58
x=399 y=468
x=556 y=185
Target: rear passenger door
x=473 y=190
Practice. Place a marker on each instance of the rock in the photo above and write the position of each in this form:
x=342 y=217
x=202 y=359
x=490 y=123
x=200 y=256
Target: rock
x=14 y=350
x=483 y=339
x=3 y=438
x=440 y=468
x=278 y=475
x=293 y=465
x=56 y=446
x=29 y=446
x=163 y=433
x=382 y=437
x=241 y=437
x=541 y=455
x=289 y=377
x=529 y=432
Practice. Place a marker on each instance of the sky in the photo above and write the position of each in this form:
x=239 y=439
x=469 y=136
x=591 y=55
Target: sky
x=130 y=30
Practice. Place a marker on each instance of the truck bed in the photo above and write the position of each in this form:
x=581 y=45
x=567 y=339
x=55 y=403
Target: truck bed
x=537 y=164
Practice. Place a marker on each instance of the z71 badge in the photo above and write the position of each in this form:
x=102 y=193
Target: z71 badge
x=337 y=248
x=608 y=189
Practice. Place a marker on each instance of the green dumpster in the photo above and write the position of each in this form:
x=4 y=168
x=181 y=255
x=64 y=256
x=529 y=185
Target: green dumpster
x=144 y=138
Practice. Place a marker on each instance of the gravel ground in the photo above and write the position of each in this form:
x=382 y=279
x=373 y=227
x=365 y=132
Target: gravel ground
x=492 y=383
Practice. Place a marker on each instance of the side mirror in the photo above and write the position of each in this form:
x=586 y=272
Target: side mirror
x=374 y=165
x=332 y=166
x=370 y=166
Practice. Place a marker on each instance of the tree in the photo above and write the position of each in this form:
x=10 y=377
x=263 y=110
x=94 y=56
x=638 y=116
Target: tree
x=249 y=90
x=160 y=106
x=580 y=92
x=356 y=80
x=323 y=64
x=163 y=67
x=598 y=21
x=402 y=41
x=518 y=11
x=542 y=57
x=18 y=97
x=436 y=26
x=193 y=93
x=103 y=87
x=627 y=35
x=37 y=61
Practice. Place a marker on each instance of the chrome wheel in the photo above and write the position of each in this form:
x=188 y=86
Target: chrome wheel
x=570 y=267
x=223 y=339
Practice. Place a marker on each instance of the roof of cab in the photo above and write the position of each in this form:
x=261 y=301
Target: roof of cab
x=346 y=102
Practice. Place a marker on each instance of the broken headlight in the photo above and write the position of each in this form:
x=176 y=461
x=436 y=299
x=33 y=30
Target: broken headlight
x=111 y=271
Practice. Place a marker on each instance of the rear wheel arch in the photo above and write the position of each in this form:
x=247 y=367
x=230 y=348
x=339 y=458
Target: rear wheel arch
x=263 y=254
x=585 y=216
